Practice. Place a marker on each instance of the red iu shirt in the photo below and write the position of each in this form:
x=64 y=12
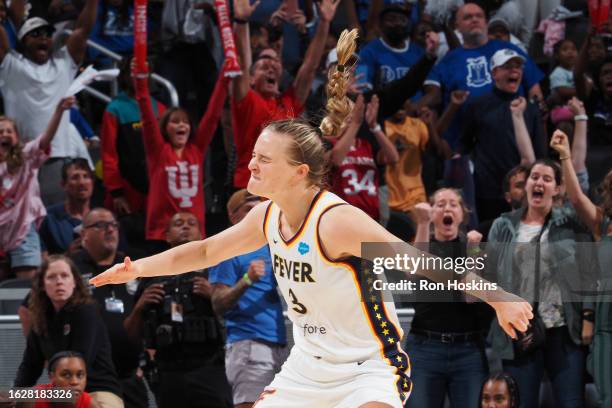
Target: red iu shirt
x=356 y=179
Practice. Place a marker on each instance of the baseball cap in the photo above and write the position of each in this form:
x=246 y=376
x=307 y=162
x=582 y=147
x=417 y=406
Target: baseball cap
x=239 y=198
x=32 y=24
x=499 y=22
x=503 y=56
x=394 y=8
x=332 y=58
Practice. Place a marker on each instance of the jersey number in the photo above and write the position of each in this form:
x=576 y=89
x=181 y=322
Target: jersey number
x=356 y=186
x=298 y=307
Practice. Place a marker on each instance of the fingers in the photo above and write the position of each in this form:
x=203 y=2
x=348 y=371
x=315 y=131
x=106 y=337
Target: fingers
x=509 y=330
x=128 y=263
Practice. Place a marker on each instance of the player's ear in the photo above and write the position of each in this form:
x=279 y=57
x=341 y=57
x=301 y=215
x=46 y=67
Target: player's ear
x=302 y=171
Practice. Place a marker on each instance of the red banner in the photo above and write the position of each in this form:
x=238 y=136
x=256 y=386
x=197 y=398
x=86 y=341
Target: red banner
x=232 y=68
x=140 y=35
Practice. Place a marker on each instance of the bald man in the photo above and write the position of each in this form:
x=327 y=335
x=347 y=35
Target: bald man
x=100 y=240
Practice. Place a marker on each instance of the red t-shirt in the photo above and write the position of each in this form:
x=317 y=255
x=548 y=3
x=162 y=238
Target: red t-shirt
x=249 y=117
x=356 y=179
x=83 y=402
x=176 y=183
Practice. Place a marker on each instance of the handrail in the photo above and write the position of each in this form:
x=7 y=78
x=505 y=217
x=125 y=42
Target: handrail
x=174 y=98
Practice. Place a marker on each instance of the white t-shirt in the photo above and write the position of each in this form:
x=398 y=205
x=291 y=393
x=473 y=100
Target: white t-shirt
x=31 y=93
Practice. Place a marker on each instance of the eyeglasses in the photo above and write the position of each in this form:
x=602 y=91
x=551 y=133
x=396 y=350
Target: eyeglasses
x=103 y=225
x=41 y=32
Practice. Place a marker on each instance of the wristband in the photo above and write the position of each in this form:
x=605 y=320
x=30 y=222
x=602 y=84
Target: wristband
x=240 y=21
x=247 y=279
x=581 y=118
x=588 y=315
x=473 y=251
x=376 y=128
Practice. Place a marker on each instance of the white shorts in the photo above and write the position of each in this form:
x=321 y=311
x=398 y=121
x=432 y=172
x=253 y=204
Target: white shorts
x=306 y=381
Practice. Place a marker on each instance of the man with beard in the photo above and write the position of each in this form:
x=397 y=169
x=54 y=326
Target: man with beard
x=468 y=68
x=175 y=317
x=391 y=56
x=57 y=230
x=100 y=238
x=34 y=78
x=256 y=99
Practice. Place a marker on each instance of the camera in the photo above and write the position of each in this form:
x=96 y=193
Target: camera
x=182 y=316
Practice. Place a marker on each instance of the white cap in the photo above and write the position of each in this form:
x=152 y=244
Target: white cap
x=332 y=57
x=32 y=24
x=503 y=56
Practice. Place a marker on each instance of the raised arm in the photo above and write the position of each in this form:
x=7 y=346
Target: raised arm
x=422 y=212
x=65 y=103
x=244 y=237
x=439 y=145
x=347 y=139
x=343 y=229
x=457 y=99
x=584 y=207
x=521 y=134
x=151 y=134
x=579 y=145
x=225 y=297
x=388 y=152
x=210 y=120
x=77 y=42
x=303 y=79
x=242 y=13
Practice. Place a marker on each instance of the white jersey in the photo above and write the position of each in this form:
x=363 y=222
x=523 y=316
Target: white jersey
x=324 y=297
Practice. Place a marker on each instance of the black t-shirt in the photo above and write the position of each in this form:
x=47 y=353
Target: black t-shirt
x=115 y=304
x=456 y=316
x=185 y=348
x=599 y=136
x=78 y=328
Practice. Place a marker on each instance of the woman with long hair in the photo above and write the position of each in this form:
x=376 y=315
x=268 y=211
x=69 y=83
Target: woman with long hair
x=448 y=331
x=536 y=251
x=599 y=220
x=347 y=352
x=65 y=317
x=21 y=208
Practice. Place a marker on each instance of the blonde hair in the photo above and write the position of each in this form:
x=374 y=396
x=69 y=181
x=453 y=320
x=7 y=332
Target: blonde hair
x=307 y=146
x=339 y=106
x=14 y=159
x=464 y=209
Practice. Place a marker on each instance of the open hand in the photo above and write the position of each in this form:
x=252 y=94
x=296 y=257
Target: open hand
x=119 y=273
x=513 y=313
x=243 y=9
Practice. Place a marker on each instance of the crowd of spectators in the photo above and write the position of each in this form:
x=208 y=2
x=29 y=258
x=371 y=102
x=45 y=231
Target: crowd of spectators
x=475 y=123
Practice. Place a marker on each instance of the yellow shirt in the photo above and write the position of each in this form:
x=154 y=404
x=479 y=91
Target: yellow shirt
x=404 y=177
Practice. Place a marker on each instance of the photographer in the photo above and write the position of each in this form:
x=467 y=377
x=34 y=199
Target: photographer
x=174 y=316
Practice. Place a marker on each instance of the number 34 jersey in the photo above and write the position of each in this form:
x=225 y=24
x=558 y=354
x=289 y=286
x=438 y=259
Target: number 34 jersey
x=335 y=313
x=356 y=179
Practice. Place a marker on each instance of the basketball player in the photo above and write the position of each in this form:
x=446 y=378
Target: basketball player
x=347 y=352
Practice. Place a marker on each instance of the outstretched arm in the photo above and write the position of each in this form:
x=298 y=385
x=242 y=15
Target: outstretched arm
x=244 y=237
x=77 y=42
x=45 y=140
x=303 y=79
x=344 y=228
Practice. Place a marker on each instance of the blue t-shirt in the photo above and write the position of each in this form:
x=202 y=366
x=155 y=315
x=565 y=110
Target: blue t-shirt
x=57 y=229
x=386 y=64
x=112 y=33
x=470 y=70
x=258 y=313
